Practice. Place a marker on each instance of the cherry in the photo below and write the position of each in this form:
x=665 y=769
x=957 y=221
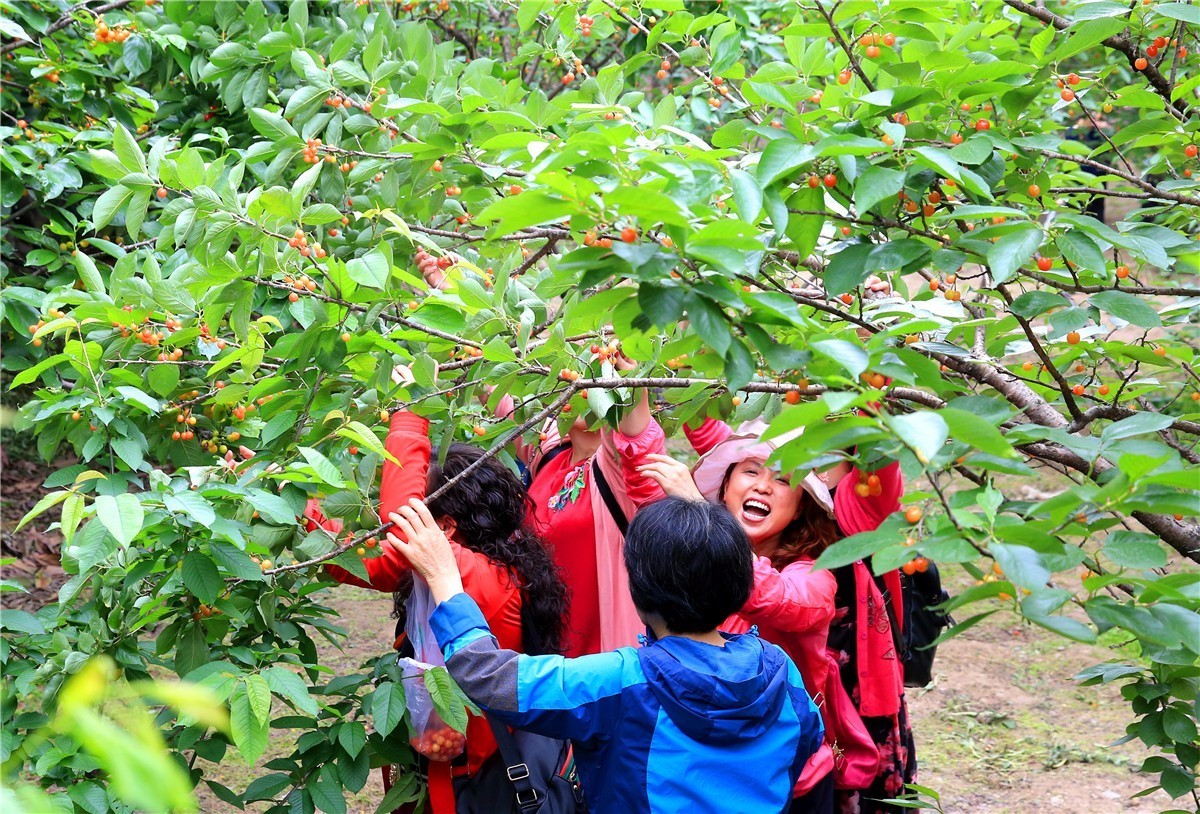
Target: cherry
x=162 y=192
x=1034 y=191
x=1044 y=263
x=844 y=78
x=515 y=190
x=1191 y=150
x=1079 y=389
x=983 y=124
x=629 y=234
x=872 y=51
x=814 y=181
x=830 y=180
x=1140 y=63
x=1103 y=389
x=1073 y=338
x=956 y=138
x=1067 y=95
x=1122 y=272
x=792 y=397
x=912 y=514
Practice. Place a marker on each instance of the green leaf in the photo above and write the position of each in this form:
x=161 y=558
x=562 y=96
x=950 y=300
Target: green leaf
x=273 y=508
x=1022 y=565
x=1134 y=310
x=781 y=157
x=122 y=515
x=356 y=431
x=324 y=468
x=874 y=185
x=193 y=505
x=201 y=577
x=1081 y=250
x=1037 y=302
x=925 y=433
x=127 y=150
x=89 y=275
x=747 y=195
x=327 y=792
x=342 y=504
x=1012 y=251
x=447 y=698
x=372 y=269
x=135 y=54
x=163 y=379
x=286 y=684
x=1179 y=11
x=387 y=707
x=352 y=736
x=849 y=356
x=1134 y=549
x=1135 y=425
x=273 y=126
x=108 y=205
x=72 y=513
x=52 y=499
x=847 y=269
x=250 y=734
x=981 y=433
x=533 y=207
x=852 y=549
x=258 y=693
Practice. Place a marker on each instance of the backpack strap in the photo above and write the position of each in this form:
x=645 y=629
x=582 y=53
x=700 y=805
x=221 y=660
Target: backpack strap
x=515 y=768
x=610 y=499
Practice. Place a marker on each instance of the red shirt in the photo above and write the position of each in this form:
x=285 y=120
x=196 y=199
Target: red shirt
x=562 y=512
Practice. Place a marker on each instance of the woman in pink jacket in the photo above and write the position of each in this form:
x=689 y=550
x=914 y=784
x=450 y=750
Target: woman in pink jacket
x=793 y=606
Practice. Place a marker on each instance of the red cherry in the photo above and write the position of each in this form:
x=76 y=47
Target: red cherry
x=983 y=124
x=830 y=180
x=1191 y=150
x=629 y=234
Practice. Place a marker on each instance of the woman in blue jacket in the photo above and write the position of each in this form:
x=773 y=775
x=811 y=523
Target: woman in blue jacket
x=694 y=721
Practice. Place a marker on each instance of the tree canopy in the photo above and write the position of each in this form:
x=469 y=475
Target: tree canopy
x=958 y=234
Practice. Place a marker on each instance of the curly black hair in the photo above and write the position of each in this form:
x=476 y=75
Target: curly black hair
x=489 y=508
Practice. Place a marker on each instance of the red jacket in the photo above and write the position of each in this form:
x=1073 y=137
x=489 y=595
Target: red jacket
x=492 y=587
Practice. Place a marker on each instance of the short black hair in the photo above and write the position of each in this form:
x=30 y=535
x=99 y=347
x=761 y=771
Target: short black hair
x=689 y=562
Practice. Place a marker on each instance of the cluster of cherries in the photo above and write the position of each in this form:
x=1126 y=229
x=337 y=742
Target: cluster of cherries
x=439 y=744
x=116 y=33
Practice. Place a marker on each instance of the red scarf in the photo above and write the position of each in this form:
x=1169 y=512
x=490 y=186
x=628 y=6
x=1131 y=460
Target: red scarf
x=880 y=673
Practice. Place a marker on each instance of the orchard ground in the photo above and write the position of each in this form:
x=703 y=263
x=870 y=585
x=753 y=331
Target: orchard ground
x=1002 y=730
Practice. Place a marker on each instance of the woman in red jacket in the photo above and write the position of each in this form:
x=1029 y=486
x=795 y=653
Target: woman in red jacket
x=795 y=607
x=505 y=568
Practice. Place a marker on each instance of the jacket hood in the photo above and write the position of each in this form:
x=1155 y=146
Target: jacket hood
x=717 y=694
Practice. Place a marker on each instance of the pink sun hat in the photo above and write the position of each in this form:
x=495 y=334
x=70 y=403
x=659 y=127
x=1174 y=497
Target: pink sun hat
x=743 y=443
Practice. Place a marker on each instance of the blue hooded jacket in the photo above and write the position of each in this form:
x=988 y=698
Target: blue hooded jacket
x=677 y=726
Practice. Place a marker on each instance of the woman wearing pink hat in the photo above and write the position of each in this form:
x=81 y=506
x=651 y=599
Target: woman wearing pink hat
x=814 y=616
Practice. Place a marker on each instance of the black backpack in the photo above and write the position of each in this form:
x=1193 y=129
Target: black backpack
x=922 y=624
x=529 y=774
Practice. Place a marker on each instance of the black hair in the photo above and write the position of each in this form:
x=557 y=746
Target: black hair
x=489 y=509
x=689 y=562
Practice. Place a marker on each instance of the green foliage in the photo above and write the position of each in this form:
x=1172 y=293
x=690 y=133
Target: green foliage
x=211 y=225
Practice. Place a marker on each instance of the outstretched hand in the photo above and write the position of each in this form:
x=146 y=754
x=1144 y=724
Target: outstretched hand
x=426 y=548
x=673 y=476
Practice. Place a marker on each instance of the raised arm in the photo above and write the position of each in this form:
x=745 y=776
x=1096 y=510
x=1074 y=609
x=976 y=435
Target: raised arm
x=710 y=433
x=553 y=696
x=795 y=599
x=408 y=443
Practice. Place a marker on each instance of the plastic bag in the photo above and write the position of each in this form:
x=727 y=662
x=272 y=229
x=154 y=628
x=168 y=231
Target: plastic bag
x=428 y=733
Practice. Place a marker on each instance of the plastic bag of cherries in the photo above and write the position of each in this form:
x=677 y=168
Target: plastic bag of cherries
x=428 y=733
